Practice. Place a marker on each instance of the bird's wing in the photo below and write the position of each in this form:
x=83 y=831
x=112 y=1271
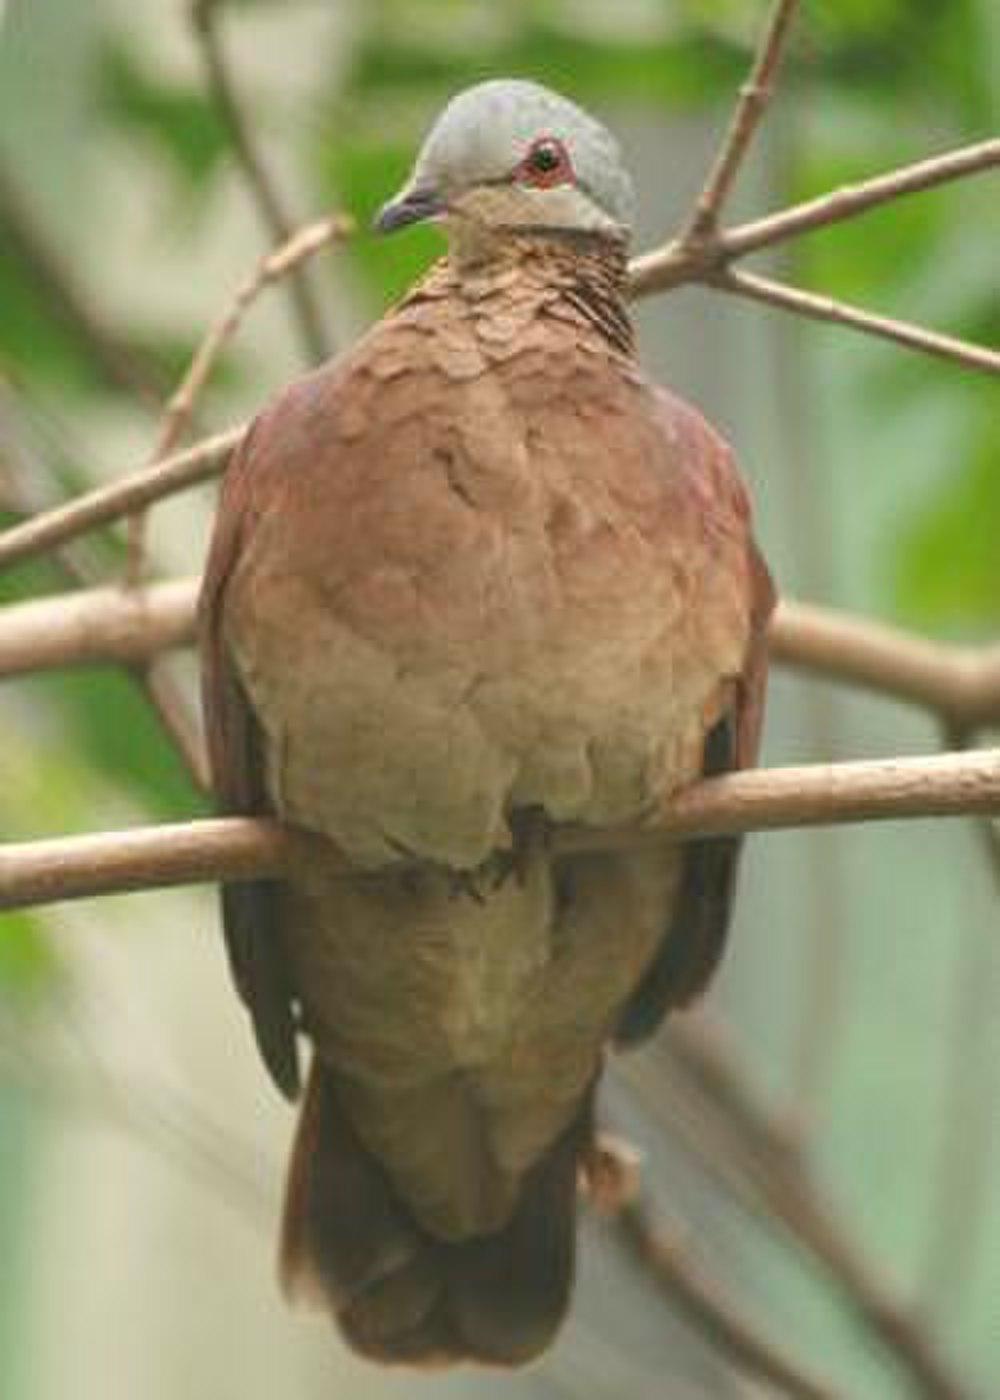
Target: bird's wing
x=695 y=936
x=249 y=908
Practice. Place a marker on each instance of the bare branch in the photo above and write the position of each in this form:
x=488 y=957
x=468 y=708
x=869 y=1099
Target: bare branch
x=179 y=718
x=961 y=1179
x=676 y=262
x=271 y=268
x=109 y=625
x=701 y=1301
x=963 y=682
x=850 y=200
x=107 y=503
x=96 y=626
x=741 y=1141
x=753 y=99
x=823 y=308
x=762 y=800
x=205 y=19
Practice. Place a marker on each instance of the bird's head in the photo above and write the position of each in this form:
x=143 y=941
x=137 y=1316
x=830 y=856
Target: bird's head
x=509 y=156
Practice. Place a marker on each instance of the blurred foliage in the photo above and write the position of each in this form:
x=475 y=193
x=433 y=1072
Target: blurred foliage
x=177 y=120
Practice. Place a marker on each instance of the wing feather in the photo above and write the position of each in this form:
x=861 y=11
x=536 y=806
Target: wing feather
x=249 y=908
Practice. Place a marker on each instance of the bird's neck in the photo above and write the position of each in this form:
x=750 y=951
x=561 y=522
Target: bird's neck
x=576 y=276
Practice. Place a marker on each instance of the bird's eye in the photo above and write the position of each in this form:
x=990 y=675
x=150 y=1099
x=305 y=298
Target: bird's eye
x=547 y=163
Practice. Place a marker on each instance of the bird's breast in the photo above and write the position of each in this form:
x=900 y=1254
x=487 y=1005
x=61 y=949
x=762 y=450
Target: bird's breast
x=492 y=597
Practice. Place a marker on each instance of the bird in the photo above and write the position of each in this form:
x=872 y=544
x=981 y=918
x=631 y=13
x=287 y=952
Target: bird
x=472 y=582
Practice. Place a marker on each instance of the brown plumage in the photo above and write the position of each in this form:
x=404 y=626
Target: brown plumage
x=474 y=570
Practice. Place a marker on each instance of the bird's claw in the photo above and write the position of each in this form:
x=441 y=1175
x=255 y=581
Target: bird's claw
x=610 y=1174
x=529 y=829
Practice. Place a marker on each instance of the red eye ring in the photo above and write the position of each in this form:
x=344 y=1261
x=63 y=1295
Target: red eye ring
x=547 y=163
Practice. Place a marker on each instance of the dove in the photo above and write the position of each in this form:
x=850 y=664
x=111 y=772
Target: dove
x=472 y=581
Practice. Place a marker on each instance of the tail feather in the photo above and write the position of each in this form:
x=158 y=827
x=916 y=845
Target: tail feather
x=397 y=1293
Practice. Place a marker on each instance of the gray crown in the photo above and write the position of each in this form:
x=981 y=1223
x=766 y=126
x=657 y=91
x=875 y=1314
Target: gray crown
x=485 y=130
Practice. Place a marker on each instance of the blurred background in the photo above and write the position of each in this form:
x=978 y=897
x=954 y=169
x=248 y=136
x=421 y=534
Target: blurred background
x=821 y=1139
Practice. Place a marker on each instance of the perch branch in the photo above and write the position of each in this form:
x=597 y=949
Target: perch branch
x=962 y=784
x=700 y=1300
x=205 y=19
x=753 y=98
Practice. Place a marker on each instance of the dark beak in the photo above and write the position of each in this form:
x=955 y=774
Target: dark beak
x=413 y=205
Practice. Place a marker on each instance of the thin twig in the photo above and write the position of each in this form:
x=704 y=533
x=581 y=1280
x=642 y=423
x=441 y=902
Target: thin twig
x=753 y=99
x=279 y=223
x=305 y=243
x=740 y=1141
x=851 y=200
x=119 y=498
x=675 y=263
x=271 y=268
x=73 y=867
x=823 y=308
x=699 y=1299
x=961 y=1178
x=169 y=702
x=180 y=720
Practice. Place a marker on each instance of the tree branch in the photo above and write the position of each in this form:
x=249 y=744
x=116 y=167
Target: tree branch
x=271 y=268
x=276 y=219
x=753 y=99
x=119 y=498
x=741 y=1141
x=110 y=625
x=823 y=308
x=848 y=201
x=700 y=1300
x=303 y=244
x=38 y=872
x=958 y=681
x=676 y=262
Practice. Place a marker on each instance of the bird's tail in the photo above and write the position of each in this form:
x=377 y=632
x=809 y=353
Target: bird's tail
x=397 y=1293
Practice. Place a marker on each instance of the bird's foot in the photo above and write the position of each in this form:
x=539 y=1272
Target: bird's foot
x=530 y=841
x=610 y=1174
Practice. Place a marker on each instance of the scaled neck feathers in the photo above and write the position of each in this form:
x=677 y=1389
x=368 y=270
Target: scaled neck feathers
x=577 y=277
